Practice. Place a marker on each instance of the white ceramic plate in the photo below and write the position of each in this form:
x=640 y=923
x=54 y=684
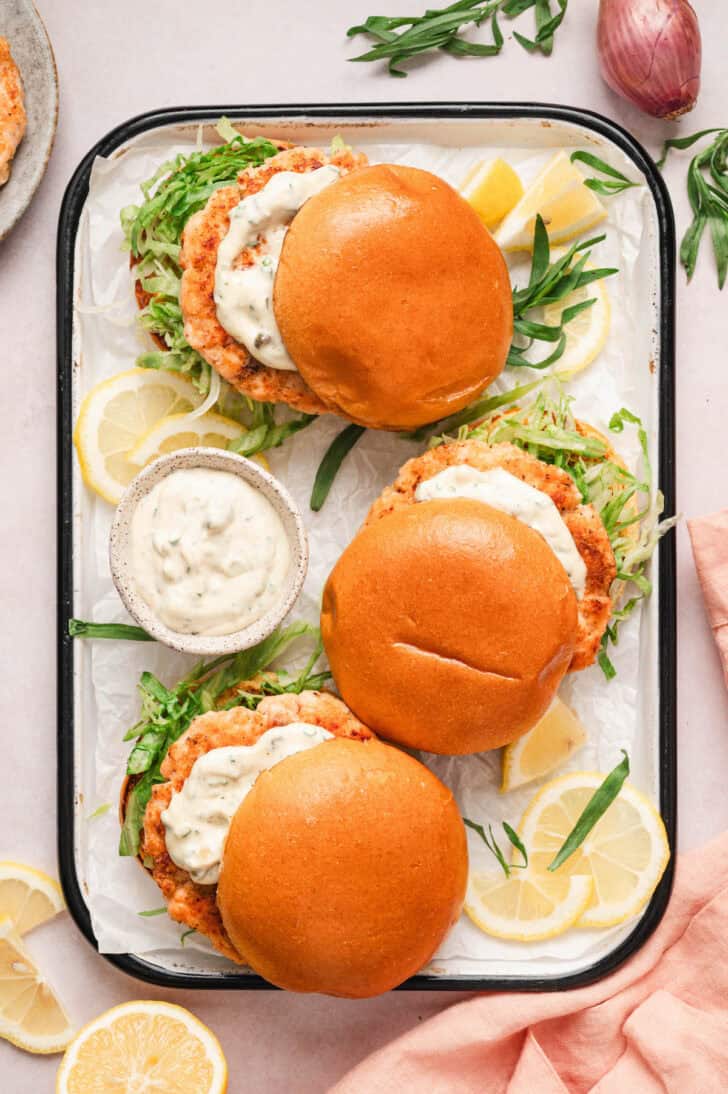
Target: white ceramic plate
x=33 y=54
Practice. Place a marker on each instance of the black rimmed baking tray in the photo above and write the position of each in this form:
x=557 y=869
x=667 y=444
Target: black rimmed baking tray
x=68 y=789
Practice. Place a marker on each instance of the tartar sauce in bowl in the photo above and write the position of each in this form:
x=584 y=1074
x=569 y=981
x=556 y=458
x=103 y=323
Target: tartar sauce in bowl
x=207 y=551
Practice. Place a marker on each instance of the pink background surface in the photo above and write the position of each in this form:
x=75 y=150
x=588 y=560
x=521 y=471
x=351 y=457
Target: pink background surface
x=119 y=59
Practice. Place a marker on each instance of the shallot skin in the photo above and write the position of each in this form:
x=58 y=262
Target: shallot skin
x=650 y=52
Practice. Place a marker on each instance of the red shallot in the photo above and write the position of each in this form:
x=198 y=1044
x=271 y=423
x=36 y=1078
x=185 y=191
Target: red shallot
x=649 y=52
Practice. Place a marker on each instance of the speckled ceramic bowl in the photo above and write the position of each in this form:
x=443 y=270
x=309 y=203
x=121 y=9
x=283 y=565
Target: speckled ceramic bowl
x=120 y=550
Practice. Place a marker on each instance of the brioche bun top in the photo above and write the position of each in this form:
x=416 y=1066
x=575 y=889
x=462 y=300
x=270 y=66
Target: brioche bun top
x=393 y=300
x=448 y=626
x=344 y=868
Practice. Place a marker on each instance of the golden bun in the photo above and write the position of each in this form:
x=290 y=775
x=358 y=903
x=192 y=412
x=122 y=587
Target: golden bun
x=448 y=626
x=392 y=298
x=344 y=869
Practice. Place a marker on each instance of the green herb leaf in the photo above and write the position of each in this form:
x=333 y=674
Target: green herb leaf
x=263 y=437
x=707 y=186
x=81 y=628
x=516 y=842
x=333 y=458
x=102 y=809
x=594 y=809
x=618 y=183
x=186 y=934
x=548 y=283
x=153 y=911
x=605 y=663
x=399 y=38
x=684 y=142
x=492 y=844
x=541 y=254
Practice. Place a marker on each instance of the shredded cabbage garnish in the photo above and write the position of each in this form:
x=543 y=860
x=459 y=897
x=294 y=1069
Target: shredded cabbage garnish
x=629 y=507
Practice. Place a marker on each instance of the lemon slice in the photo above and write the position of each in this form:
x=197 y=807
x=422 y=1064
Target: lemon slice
x=556 y=737
x=558 y=193
x=625 y=853
x=526 y=906
x=31 y=1016
x=113 y=417
x=180 y=431
x=492 y=187
x=587 y=333
x=28 y=897
x=144 y=1047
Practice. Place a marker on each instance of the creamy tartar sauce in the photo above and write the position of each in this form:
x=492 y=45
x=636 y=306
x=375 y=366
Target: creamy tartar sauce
x=244 y=295
x=209 y=553
x=198 y=817
x=504 y=491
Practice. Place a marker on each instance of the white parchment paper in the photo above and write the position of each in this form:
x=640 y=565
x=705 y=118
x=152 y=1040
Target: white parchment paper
x=621 y=714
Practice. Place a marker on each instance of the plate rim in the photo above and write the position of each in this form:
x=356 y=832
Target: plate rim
x=36 y=18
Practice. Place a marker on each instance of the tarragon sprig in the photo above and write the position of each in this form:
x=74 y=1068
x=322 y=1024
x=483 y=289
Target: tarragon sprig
x=708 y=196
x=399 y=38
x=548 y=283
x=615 y=182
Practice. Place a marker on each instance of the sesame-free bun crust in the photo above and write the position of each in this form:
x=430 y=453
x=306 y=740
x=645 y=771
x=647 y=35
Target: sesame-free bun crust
x=392 y=298
x=449 y=626
x=344 y=869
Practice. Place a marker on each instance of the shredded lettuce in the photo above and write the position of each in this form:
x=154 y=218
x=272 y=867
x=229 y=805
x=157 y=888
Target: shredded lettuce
x=628 y=504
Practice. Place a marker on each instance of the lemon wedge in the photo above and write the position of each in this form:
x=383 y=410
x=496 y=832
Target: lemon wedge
x=554 y=738
x=180 y=431
x=147 y=1048
x=492 y=188
x=558 y=193
x=31 y=1016
x=28 y=897
x=526 y=906
x=625 y=854
x=113 y=417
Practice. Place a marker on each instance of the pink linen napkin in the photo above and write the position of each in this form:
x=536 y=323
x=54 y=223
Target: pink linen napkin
x=709 y=537
x=659 y=1023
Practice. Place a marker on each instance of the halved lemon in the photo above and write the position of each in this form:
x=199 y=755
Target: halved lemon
x=180 y=431
x=28 y=897
x=554 y=738
x=116 y=414
x=492 y=188
x=31 y=1016
x=567 y=207
x=587 y=333
x=625 y=854
x=526 y=906
x=147 y=1048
